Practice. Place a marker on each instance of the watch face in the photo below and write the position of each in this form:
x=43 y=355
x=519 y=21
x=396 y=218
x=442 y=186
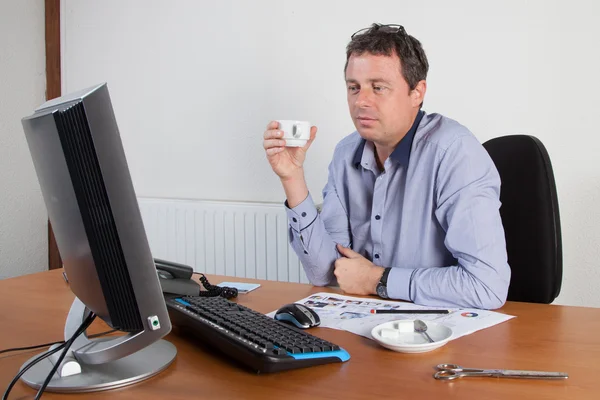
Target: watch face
x=382 y=291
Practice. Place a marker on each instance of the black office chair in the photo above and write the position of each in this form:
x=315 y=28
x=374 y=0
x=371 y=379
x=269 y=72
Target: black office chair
x=530 y=217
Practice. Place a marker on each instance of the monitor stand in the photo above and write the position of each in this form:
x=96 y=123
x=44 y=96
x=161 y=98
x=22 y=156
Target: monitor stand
x=85 y=367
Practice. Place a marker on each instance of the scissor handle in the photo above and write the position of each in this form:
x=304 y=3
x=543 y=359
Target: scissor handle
x=452 y=367
x=456 y=368
x=447 y=375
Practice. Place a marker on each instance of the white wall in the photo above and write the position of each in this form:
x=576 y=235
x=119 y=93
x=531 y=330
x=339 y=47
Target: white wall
x=195 y=82
x=23 y=218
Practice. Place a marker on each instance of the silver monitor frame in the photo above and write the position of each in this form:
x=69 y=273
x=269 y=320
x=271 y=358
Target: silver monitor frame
x=106 y=362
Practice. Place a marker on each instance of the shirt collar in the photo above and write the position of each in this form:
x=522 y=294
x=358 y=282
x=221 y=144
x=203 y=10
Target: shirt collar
x=401 y=153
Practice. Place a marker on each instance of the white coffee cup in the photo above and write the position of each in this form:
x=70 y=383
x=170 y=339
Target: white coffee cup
x=295 y=133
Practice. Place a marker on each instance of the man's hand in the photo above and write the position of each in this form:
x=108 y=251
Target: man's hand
x=286 y=162
x=355 y=274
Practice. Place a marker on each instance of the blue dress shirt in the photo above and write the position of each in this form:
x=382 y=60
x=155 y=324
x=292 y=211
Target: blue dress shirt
x=432 y=216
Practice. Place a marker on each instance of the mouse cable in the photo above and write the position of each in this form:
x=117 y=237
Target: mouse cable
x=38 y=346
x=85 y=324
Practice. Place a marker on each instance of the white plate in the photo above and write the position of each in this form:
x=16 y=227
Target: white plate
x=401 y=336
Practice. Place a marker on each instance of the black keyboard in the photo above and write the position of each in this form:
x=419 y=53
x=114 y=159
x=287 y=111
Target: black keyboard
x=257 y=341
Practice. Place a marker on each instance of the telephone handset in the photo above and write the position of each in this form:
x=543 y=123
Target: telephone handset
x=176 y=278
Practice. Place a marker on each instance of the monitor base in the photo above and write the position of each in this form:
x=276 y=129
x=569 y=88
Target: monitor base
x=134 y=368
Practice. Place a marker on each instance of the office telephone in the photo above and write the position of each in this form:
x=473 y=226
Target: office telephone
x=176 y=278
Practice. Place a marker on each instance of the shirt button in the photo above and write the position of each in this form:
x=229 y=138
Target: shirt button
x=376 y=255
x=377 y=217
x=294 y=219
x=304 y=214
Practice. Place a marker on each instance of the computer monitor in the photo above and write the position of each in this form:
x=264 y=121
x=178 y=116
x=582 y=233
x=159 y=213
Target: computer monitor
x=78 y=156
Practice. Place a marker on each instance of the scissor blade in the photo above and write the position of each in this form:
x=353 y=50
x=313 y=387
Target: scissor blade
x=509 y=373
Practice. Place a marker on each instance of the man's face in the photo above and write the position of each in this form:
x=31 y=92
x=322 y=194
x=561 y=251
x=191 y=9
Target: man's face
x=379 y=98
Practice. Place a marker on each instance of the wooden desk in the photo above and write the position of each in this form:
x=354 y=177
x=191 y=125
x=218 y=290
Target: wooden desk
x=33 y=309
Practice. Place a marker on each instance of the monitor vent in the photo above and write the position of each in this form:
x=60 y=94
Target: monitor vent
x=103 y=238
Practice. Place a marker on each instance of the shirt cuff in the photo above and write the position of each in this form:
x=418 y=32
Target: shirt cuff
x=303 y=215
x=399 y=283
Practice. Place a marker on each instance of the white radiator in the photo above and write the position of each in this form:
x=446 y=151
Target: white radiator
x=226 y=238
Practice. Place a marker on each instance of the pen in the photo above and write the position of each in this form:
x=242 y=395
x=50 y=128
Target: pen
x=386 y=311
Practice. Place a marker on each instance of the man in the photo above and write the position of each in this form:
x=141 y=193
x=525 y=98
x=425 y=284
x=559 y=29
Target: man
x=411 y=206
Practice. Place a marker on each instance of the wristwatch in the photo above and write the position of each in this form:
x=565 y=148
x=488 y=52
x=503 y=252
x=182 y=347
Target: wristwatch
x=382 y=285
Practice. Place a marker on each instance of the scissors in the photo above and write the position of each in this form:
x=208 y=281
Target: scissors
x=453 y=371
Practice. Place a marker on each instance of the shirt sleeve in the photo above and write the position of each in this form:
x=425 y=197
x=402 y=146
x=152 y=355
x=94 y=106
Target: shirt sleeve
x=468 y=204
x=314 y=235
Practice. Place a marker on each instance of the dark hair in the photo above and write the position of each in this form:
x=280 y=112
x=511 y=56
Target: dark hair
x=387 y=39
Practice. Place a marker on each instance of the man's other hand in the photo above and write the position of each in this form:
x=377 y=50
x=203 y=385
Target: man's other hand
x=355 y=274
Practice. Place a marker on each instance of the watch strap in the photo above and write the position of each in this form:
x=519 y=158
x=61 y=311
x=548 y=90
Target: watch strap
x=384 y=277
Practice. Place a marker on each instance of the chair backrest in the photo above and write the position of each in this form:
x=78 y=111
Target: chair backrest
x=530 y=217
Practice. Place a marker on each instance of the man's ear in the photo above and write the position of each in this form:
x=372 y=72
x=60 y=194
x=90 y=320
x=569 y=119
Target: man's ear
x=417 y=95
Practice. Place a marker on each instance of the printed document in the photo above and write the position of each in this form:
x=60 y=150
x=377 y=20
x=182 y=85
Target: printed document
x=353 y=314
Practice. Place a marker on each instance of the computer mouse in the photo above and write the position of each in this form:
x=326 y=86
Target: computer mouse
x=299 y=315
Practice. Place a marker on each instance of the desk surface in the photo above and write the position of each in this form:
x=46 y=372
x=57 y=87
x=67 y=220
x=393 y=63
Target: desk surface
x=33 y=309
